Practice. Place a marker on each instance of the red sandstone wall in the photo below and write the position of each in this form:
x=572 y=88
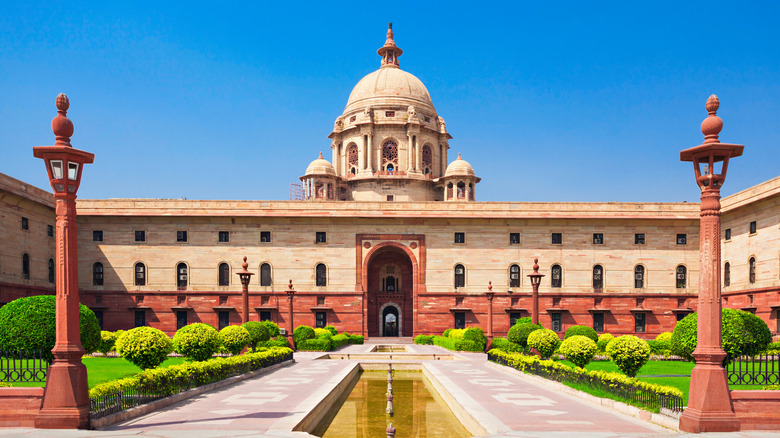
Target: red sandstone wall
x=757 y=410
x=19 y=406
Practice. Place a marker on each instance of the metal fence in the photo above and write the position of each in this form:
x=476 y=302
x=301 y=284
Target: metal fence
x=754 y=370
x=22 y=366
x=127 y=398
x=635 y=394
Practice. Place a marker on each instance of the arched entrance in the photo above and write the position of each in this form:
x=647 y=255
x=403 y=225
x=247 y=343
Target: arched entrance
x=389 y=292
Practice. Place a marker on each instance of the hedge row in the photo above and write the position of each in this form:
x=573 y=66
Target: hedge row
x=325 y=339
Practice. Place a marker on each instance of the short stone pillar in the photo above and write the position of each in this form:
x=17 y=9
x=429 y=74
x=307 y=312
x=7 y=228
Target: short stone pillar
x=389 y=409
x=390 y=431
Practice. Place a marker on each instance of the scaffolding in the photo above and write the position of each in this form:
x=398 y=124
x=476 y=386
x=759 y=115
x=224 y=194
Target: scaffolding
x=296 y=192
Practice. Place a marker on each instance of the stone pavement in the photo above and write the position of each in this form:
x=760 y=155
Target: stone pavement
x=506 y=404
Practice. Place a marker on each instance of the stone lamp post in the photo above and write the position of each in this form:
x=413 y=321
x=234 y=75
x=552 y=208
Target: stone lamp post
x=536 y=278
x=290 y=296
x=245 y=276
x=709 y=402
x=65 y=400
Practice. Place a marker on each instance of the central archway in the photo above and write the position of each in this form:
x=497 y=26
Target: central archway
x=390 y=288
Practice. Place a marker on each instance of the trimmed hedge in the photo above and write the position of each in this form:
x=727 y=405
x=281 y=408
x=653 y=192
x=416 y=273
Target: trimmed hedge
x=518 y=333
x=196 y=342
x=258 y=333
x=273 y=328
x=455 y=344
x=356 y=339
x=476 y=335
x=629 y=353
x=234 y=338
x=578 y=349
x=145 y=347
x=505 y=344
x=29 y=323
x=339 y=341
x=545 y=341
x=302 y=333
x=581 y=330
x=277 y=342
x=107 y=340
x=164 y=379
x=331 y=329
x=317 y=344
x=423 y=339
x=743 y=334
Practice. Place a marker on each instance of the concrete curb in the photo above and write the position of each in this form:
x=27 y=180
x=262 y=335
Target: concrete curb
x=138 y=411
x=633 y=411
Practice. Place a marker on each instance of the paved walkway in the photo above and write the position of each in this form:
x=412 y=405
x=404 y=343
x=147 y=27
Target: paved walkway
x=506 y=404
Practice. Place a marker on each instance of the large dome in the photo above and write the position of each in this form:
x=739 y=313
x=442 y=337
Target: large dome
x=390 y=86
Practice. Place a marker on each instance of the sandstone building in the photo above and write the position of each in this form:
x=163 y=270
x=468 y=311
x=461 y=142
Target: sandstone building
x=388 y=239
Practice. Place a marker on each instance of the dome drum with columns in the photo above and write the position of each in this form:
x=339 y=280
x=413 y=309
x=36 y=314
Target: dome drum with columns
x=389 y=144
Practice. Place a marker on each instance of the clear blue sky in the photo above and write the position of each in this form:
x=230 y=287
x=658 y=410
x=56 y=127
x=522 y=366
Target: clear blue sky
x=564 y=102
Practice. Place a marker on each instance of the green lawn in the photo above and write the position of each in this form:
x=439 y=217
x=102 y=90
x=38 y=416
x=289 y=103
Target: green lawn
x=103 y=369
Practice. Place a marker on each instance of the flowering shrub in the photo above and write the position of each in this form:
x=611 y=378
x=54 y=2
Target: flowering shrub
x=107 y=340
x=544 y=341
x=578 y=349
x=581 y=330
x=629 y=353
x=664 y=337
x=321 y=331
x=518 y=333
x=234 y=338
x=603 y=341
x=146 y=347
x=196 y=342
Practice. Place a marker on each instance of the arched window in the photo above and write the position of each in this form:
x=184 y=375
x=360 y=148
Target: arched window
x=51 y=270
x=598 y=278
x=181 y=275
x=265 y=274
x=639 y=277
x=26 y=266
x=682 y=274
x=460 y=276
x=224 y=274
x=557 y=276
x=389 y=156
x=727 y=274
x=97 y=274
x=140 y=274
x=427 y=159
x=514 y=276
x=752 y=270
x=352 y=158
x=322 y=275
x=461 y=190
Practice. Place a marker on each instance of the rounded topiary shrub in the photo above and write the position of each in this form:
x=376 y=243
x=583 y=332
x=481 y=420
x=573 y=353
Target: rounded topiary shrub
x=664 y=337
x=742 y=334
x=234 y=338
x=302 y=333
x=518 y=333
x=578 y=349
x=321 y=332
x=544 y=341
x=107 y=341
x=196 y=342
x=29 y=324
x=272 y=327
x=581 y=330
x=524 y=320
x=604 y=339
x=258 y=333
x=331 y=329
x=476 y=335
x=146 y=347
x=629 y=353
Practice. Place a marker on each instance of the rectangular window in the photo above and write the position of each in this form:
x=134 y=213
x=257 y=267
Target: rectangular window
x=223 y=319
x=682 y=239
x=598 y=238
x=181 y=319
x=460 y=320
x=25 y=224
x=753 y=227
x=320 y=237
x=639 y=322
x=140 y=318
x=460 y=237
x=639 y=239
x=50 y=230
x=224 y=236
x=557 y=238
x=99 y=316
x=514 y=238
x=598 y=322
x=681 y=315
x=181 y=236
x=321 y=319
x=728 y=234
x=557 y=321
x=97 y=236
x=389 y=113
x=513 y=317
x=140 y=236
x=265 y=236
x=390 y=198
x=320 y=301
x=265 y=315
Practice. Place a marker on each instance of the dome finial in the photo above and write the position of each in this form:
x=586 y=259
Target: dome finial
x=321 y=158
x=459 y=156
x=712 y=125
x=389 y=52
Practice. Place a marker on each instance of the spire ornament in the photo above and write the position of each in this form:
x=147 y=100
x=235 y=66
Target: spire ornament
x=61 y=124
x=712 y=125
x=389 y=52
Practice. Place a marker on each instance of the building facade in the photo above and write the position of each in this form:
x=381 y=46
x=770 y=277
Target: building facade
x=388 y=239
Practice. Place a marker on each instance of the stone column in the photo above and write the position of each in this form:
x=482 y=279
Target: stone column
x=408 y=152
x=370 y=163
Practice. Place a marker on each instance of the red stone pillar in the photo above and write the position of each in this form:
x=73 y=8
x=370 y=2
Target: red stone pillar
x=536 y=278
x=245 y=277
x=290 y=295
x=489 y=295
x=709 y=401
x=65 y=400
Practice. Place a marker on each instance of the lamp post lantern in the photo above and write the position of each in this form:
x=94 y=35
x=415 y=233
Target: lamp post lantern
x=709 y=402
x=245 y=276
x=65 y=400
x=536 y=278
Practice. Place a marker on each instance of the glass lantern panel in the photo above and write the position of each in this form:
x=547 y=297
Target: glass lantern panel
x=73 y=171
x=56 y=169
